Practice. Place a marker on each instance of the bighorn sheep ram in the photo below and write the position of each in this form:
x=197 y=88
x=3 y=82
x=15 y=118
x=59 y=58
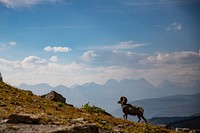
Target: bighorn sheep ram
x=129 y=109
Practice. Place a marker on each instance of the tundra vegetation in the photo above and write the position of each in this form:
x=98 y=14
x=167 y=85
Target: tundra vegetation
x=16 y=101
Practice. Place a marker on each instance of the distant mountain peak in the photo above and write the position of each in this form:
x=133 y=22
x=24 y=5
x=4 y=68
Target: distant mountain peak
x=90 y=84
x=23 y=84
x=141 y=81
x=195 y=115
x=43 y=84
x=165 y=83
x=60 y=86
x=111 y=82
x=74 y=86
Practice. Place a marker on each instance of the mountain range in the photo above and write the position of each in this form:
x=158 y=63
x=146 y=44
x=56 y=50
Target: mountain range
x=107 y=95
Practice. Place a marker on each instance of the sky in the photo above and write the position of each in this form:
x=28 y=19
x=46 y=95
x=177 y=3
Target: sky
x=78 y=41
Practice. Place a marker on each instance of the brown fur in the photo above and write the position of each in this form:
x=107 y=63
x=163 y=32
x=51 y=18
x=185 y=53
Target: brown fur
x=129 y=109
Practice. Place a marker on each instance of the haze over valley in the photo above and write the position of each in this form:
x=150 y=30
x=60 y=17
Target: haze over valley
x=107 y=95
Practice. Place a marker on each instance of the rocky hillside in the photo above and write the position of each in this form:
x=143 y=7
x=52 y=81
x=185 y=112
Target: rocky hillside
x=38 y=114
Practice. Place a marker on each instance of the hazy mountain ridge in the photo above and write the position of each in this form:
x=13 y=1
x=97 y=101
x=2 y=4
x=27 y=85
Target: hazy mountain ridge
x=168 y=120
x=192 y=122
x=172 y=88
x=107 y=95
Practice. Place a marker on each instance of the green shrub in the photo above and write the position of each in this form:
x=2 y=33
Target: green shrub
x=94 y=109
x=60 y=104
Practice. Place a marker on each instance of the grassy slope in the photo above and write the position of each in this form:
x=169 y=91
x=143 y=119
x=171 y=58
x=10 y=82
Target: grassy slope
x=13 y=100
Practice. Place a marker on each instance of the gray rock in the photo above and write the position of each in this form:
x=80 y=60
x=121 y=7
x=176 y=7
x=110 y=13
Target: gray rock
x=54 y=96
x=26 y=119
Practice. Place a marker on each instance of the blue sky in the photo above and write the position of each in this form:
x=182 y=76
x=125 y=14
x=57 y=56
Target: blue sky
x=76 y=41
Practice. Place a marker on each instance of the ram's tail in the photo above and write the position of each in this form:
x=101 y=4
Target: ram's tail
x=141 y=109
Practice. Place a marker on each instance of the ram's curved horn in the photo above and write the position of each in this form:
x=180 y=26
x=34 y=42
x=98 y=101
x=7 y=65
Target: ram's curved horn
x=124 y=100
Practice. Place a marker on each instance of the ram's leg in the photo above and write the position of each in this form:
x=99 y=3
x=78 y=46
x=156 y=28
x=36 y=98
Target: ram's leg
x=125 y=116
x=144 y=119
x=138 y=118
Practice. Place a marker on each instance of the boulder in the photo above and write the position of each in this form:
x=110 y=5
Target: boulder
x=22 y=118
x=54 y=96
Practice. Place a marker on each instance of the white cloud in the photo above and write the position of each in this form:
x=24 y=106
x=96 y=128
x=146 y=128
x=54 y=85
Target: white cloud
x=128 y=45
x=33 y=70
x=88 y=56
x=24 y=3
x=177 y=26
x=177 y=66
x=122 y=46
x=57 y=49
x=3 y=46
x=33 y=61
x=9 y=65
x=174 y=26
x=54 y=59
x=118 y=64
x=125 y=53
x=12 y=43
